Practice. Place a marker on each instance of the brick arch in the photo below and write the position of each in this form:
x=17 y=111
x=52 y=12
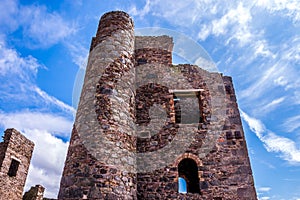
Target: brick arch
x=188 y=155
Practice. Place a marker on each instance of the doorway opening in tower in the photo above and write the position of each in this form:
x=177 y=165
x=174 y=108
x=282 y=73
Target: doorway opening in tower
x=188 y=181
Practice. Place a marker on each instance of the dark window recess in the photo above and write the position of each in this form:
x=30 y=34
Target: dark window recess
x=177 y=109
x=141 y=61
x=188 y=170
x=237 y=134
x=187 y=107
x=14 y=165
x=229 y=135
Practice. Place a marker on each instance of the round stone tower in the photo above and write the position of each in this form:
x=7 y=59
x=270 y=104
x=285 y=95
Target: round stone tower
x=100 y=163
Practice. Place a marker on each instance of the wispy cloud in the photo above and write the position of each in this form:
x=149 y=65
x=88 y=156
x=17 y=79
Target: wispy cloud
x=17 y=75
x=235 y=23
x=290 y=8
x=8 y=10
x=264 y=198
x=52 y=100
x=254 y=124
x=285 y=147
x=263 y=193
x=263 y=189
x=272 y=105
x=79 y=54
x=134 y=11
x=292 y=123
x=11 y=63
x=40 y=27
x=26 y=120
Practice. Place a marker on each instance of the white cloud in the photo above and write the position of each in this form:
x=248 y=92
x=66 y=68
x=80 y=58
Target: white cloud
x=43 y=27
x=292 y=123
x=272 y=105
x=281 y=80
x=25 y=120
x=236 y=23
x=264 y=198
x=21 y=73
x=8 y=14
x=230 y=18
x=21 y=87
x=290 y=8
x=79 y=54
x=11 y=63
x=50 y=99
x=40 y=27
x=204 y=32
x=263 y=189
x=254 y=124
x=141 y=13
x=276 y=75
x=261 y=85
x=296 y=97
x=47 y=161
x=181 y=13
x=286 y=148
x=262 y=49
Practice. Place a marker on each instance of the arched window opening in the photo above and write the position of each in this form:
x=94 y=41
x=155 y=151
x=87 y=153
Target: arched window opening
x=188 y=170
x=182 y=185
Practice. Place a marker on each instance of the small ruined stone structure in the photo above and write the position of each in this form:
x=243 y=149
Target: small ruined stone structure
x=148 y=129
x=35 y=193
x=15 y=155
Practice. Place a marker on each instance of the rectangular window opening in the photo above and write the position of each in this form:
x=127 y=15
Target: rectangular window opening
x=13 y=169
x=187 y=106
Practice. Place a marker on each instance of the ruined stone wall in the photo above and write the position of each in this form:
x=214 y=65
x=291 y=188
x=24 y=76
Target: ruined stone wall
x=224 y=172
x=34 y=193
x=3 y=147
x=16 y=149
x=128 y=142
x=100 y=161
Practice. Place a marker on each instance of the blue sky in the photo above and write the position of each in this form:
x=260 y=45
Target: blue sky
x=43 y=44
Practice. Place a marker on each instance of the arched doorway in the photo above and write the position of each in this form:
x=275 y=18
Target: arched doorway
x=188 y=170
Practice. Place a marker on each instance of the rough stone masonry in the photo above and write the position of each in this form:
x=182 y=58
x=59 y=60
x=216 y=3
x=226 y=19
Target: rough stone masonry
x=145 y=128
x=15 y=155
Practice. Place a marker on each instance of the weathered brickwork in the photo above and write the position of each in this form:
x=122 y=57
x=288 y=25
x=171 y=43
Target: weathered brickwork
x=16 y=151
x=34 y=193
x=88 y=178
x=143 y=123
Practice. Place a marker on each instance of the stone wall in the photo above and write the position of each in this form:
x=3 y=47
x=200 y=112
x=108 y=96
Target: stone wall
x=140 y=118
x=16 y=152
x=100 y=160
x=224 y=173
x=34 y=193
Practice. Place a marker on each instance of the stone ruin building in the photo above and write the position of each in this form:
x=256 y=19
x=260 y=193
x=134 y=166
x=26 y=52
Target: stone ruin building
x=34 y=193
x=15 y=155
x=148 y=129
